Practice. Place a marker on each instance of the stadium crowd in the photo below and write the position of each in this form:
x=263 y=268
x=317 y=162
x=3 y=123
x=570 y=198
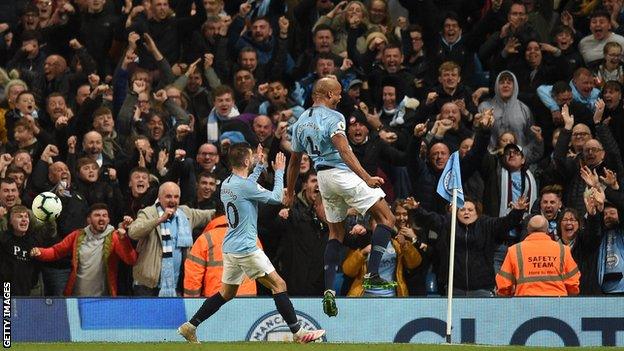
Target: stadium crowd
x=126 y=110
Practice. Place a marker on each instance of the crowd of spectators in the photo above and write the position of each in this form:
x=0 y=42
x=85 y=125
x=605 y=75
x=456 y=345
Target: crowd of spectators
x=126 y=110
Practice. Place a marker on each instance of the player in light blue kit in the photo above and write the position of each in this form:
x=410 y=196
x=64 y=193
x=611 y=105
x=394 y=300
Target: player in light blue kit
x=343 y=183
x=240 y=194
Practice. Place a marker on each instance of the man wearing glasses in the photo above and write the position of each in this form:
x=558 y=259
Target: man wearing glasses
x=597 y=154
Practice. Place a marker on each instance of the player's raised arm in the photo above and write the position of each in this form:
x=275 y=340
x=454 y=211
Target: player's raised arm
x=260 y=164
x=291 y=180
x=342 y=145
x=258 y=193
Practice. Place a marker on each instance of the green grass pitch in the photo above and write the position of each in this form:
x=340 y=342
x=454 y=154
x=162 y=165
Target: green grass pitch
x=262 y=346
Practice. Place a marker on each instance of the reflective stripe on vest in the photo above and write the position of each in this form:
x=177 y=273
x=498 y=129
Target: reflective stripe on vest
x=544 y=278
x=507 y=275
x=202 y=262
x=211 y=260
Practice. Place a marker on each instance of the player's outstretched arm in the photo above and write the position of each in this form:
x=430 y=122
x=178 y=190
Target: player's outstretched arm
x=342 y=145
x=254 y=191
x=260 y=164
x=291 y=180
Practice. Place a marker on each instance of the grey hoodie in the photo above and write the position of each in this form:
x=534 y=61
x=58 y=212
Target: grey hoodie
x=513 y=116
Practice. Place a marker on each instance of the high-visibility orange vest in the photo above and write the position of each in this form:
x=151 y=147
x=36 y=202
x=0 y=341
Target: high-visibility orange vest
x=538 y=266
x=203 y=267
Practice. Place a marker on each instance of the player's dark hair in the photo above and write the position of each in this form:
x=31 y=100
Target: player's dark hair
x=98 y=206
x=238 y=153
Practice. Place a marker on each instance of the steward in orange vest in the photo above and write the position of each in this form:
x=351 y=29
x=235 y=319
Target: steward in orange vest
x=538 y=266
x=203 y=267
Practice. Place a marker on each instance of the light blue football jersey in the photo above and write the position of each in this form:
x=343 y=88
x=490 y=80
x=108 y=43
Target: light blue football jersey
x=312 y=133
x=240 y=197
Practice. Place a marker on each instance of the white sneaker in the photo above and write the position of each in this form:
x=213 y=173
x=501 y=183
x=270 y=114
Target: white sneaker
x=308 y=336
x=187 y=330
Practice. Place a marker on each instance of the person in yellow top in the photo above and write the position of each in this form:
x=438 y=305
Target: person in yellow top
x=13 y=88
x=400 y=254
x=538 y=266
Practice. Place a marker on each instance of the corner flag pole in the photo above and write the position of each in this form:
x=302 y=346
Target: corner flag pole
x=449 y=304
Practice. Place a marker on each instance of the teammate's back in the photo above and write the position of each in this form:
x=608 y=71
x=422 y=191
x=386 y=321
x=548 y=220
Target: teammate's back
x=313 y=132
x=240 y=197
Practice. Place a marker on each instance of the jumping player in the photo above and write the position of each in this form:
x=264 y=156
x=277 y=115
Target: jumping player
x=343 y=183
x=240 y=194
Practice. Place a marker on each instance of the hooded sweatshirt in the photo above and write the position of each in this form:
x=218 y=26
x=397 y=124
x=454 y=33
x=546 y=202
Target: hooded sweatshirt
x=509 y=115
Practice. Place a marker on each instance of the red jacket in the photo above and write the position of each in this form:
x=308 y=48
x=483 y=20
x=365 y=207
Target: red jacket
x=114 y=249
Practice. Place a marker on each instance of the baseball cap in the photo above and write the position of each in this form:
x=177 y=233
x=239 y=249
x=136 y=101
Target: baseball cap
x=233 y=136
x=511 y=146
x=358 y=116
x=355 y=82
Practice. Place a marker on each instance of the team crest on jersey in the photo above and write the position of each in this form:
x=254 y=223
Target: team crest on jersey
x=271 y=327
x=341 y=125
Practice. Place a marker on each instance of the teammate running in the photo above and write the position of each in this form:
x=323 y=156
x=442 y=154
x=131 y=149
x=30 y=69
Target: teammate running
x=240 y=195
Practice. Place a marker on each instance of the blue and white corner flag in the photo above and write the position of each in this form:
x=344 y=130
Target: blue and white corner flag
x=451 y=179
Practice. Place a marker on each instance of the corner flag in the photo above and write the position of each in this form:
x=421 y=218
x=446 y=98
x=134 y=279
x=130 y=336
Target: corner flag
x=450 y=188
x=451 y=179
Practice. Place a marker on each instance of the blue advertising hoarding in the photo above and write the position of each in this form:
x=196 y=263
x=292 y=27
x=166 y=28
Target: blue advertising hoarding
x=521 y=321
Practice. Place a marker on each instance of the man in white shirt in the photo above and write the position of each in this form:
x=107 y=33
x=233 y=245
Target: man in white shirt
x=591 y=47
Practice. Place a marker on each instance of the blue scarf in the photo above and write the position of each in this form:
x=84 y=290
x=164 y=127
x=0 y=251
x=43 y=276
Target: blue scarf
x=260 y=10
x=610 y=261
x=175 y=234
x=213 y=123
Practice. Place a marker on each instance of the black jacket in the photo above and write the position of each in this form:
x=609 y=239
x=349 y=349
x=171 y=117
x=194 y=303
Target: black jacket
x=474 y=247
x=97 y=31
x=585 y=251
x=301 y=250
x=425 y=179
x=16 y=265
x=373 y=152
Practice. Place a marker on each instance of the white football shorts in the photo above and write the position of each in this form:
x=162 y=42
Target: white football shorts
x=254 y=265
x=342 y=189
